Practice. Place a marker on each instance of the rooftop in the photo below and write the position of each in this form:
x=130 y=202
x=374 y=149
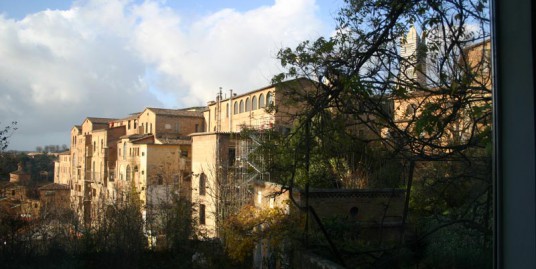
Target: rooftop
x=175 y=112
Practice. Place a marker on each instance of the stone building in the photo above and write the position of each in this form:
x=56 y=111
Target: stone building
x=112 y=158
x=221 y=169
x=19 y=176
x=474 y=66
x=54 y=197
x=371 y=216
x=62 y=168
x=16 y=199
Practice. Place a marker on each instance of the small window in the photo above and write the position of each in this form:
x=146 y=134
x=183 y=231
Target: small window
x=227 y=111
x=202 y=184
x=269 y=99
x=410 y=110
x=184 y=153
x=235 y=108
x=232 y=156
x=128 y=126
x=353 y=212
x=248 y=104
x=160 y=179
x=254 y=103
x=124 y=150
x=241 y=106
x=261 y=101
x=128 y=173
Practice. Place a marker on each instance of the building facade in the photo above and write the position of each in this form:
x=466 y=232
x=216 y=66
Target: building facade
x=144 y=154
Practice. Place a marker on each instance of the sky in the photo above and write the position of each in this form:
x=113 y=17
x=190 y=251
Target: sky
x=63 y=61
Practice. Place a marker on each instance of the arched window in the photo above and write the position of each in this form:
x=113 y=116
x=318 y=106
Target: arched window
x=128 y=173
x=227 y=111
x=261 y=101
x=202 y=184
x=269 y=99
x=410 y=109
x=124 y=150
x=254 y=103
x=235 y=107
x=248 y=104
x=241 y=106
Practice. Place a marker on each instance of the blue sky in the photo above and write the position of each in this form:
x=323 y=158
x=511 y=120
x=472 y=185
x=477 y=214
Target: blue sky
x=63 y=61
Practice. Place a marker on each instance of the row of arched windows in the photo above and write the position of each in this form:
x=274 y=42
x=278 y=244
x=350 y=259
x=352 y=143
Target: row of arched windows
x=252 y=104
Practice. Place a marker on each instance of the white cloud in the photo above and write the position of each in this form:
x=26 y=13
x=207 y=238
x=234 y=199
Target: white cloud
x=110 y=58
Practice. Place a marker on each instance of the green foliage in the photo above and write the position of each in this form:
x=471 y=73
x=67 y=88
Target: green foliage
x=9 y=162
x=33 y=165
x=359 y=81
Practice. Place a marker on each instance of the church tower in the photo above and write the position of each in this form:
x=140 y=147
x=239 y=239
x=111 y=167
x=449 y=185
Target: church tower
x=413 y=58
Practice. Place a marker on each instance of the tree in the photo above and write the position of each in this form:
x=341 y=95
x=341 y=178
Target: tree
x=5 y=134
x=419 y=107
x=360 y=74
x=251 y=226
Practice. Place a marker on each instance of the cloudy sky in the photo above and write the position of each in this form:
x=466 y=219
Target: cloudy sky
x=61 y=61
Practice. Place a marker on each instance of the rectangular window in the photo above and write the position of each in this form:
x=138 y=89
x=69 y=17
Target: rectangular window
x=232 y=156
x=202 y=184
x=202 y=214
